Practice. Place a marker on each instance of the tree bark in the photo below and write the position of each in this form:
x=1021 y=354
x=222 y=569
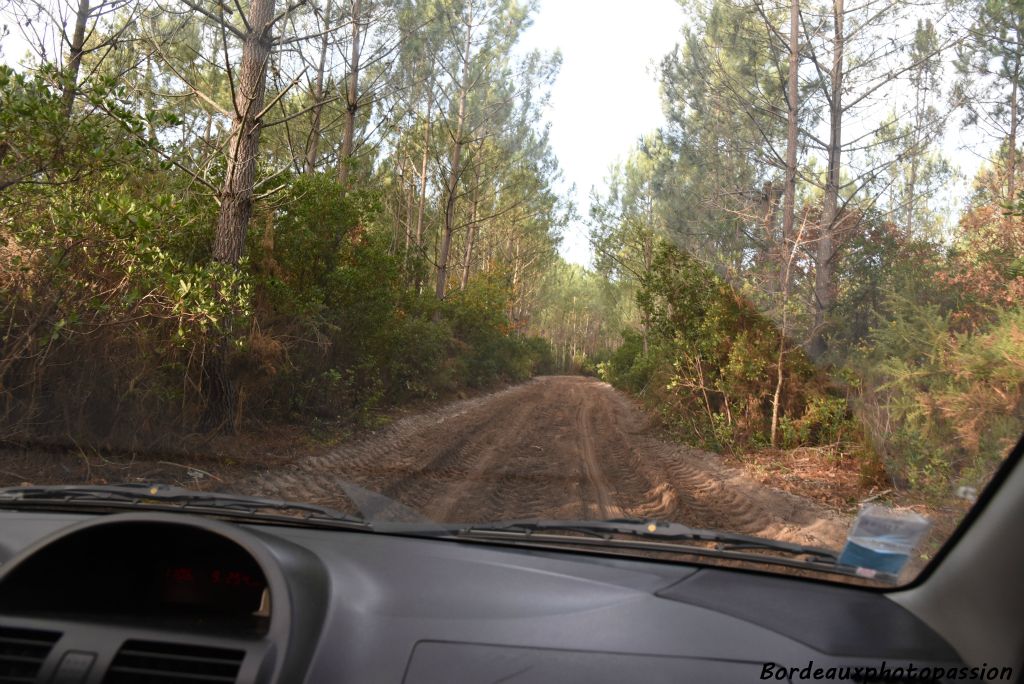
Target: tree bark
x=243 y=145
x=76 y=50
x=348 y=141
x=236 y=200
x=825 y=250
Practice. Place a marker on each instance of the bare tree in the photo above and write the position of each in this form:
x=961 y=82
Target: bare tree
x=788 y=205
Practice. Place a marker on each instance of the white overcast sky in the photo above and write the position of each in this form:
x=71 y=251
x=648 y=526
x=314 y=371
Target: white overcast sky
x=606 y=95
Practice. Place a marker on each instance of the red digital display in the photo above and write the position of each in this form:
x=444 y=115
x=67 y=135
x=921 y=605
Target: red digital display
x=218 y=589
x=229 y=578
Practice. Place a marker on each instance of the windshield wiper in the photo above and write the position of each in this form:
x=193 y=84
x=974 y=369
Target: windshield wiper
x=167 y=497
x=605 y=531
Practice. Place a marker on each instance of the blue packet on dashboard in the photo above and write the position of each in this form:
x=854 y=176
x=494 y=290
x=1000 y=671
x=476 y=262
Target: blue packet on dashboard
x=881 y=540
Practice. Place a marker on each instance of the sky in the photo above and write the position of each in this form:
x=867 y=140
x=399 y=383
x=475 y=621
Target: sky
x=606 y=95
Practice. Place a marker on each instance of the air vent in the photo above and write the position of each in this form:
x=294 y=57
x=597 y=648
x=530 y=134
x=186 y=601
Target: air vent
x=22 y=652
x=151 y=662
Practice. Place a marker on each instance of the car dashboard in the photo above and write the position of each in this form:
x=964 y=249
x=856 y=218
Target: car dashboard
x=172 y=597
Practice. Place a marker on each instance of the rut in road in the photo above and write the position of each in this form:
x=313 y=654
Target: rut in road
x=556 y=447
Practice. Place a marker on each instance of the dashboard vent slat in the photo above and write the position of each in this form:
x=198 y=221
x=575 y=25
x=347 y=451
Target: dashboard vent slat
x=151 y=662
x=22 y=652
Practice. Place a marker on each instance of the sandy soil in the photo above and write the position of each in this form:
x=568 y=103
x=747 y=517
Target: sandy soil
x=555 y=447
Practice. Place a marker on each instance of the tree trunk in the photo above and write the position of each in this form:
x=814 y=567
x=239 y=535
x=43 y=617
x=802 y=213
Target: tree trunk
x=456 y=160
x=313 y=141
x=468 y=255
x=914 y=157
x=236 y=198
x=788 y=208
x=410 y=200
x=830 y=204
x=76 y=50
x=792 y=107
x=1011 y=155
x=648 y=261
x=515 y=282
x=352 y=98
x=777 y=396
x=769 y=206
x=912 y=186
x=147 y=102
x=243 y=145
x=423 y=174
x=421 y=209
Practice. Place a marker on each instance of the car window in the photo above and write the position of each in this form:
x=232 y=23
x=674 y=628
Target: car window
x=709 y=281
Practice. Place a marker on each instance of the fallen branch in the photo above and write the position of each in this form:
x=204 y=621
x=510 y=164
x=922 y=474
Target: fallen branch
x=876 y=496
x=193 y=468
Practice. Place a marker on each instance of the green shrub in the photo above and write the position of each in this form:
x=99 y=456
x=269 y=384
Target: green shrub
x=944 y=406
x=628 y=367
x=539 y=355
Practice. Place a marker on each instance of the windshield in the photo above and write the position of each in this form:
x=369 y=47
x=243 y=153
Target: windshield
x=716 y=271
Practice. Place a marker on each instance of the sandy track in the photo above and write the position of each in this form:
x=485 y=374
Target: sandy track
x=555 y=447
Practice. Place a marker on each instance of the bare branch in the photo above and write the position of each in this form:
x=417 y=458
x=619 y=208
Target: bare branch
x=214 y=18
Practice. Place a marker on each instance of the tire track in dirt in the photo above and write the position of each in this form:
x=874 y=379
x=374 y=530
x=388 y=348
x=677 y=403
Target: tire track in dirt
x=402 y=461
x=484 y=472
x=601 y=506
x=640 y=490
x=555 y=447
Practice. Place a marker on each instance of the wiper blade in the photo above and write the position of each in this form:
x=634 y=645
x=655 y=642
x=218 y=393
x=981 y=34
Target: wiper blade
x=131 y=494
x=649 y=529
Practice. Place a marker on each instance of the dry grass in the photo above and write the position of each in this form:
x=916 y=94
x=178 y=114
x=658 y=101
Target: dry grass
x=823 y=474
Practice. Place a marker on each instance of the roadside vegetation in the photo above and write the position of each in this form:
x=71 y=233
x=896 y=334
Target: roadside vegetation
x=212 y=224
x=800 y=278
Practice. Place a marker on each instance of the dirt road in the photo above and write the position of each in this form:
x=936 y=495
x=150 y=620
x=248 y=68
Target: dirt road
x=555 y=447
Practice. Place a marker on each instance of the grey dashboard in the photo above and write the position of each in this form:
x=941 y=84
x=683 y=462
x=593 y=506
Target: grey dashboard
x=348 y=606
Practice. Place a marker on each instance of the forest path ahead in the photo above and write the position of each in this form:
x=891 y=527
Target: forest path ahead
x=554 y=447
